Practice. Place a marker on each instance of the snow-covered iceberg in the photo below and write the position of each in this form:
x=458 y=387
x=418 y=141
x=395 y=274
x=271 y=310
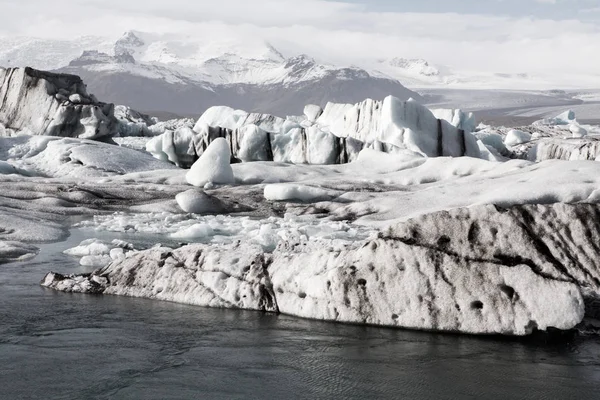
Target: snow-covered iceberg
x=479 y=270
x=43 y=103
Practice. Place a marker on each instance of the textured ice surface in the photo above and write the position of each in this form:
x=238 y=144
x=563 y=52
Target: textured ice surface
x=77 y=158
x=42 y=103
x=226 y=229
x=476 y=270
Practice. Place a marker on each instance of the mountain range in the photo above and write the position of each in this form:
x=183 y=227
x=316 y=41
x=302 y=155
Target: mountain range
x=185 y=76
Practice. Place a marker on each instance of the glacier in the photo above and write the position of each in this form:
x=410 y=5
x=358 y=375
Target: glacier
x=378 y=212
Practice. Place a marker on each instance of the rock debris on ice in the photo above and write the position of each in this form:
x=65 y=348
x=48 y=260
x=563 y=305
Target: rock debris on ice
x=436 y=272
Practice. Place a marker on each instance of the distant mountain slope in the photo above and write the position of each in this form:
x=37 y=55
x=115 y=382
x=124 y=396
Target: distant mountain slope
x=192 y=98
x=168 y=76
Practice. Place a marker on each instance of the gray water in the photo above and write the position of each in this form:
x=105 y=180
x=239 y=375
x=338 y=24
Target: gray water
x=66 y=346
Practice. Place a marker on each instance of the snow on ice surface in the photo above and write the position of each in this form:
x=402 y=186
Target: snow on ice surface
x=58 y=157
x=291 y=192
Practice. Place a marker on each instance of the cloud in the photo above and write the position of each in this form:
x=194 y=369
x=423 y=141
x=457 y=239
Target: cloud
x=331 y=31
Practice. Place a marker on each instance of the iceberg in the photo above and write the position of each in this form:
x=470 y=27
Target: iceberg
x=478 y=270
x=213 y=166
x=334 y=135
x=43 y=103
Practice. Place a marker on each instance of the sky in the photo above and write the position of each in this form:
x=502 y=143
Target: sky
x=486 y=35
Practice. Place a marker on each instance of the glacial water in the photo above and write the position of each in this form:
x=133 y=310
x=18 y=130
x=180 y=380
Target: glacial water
x=65 y=346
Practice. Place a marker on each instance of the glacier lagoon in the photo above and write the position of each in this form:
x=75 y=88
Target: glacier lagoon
x=57 y=345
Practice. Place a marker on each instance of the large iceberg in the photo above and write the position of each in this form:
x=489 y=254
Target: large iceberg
x=43 y=103
x=334 y=135
x=481 y=270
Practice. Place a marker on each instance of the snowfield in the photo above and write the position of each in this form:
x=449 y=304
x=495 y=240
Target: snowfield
x=380 y=212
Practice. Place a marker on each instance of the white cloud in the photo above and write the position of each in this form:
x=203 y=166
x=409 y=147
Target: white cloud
x=332 y=31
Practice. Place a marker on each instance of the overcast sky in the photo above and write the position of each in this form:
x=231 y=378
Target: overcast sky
x=493 y=35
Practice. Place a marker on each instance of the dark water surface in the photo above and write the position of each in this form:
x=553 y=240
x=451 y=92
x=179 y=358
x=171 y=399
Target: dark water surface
x=63 y=346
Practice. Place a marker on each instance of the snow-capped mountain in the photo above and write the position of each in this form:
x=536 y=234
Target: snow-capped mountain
x=187 y=76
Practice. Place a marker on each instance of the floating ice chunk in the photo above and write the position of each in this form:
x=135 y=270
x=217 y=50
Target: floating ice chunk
x=197 y=202
x=97 y=253
x=565 y=118
x=294 y=192
x=516 y=137
x=90 y=247
x=213 y=166
x=197 y=231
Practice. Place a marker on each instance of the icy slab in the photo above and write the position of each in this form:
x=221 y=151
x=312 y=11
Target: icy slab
x=295 y=192
x=42 y=103
x=578 y=131
x=492 y=139
x=214 y=276
x=565 y=118
x=58 y=157
x=213 y=166
x=174 y=146
x=568 y=150
x=312 y=112
x=478 y=270
x=16 y=251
